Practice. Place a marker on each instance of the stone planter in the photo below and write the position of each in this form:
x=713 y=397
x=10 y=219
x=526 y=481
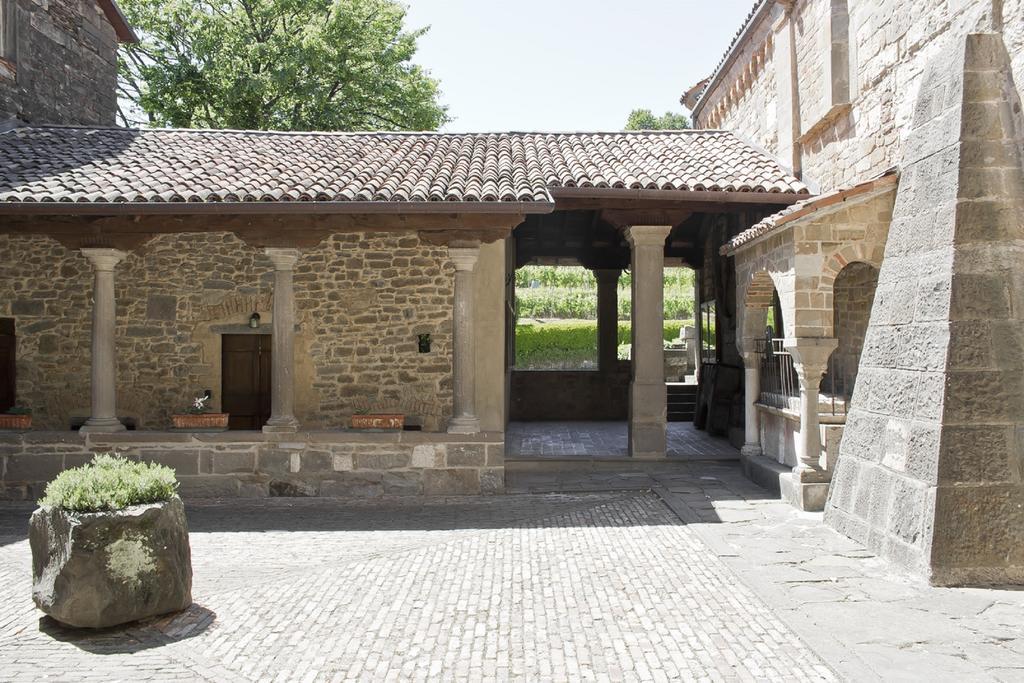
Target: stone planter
x=100 y=569
x=200 y=421
x=378 y=421
x=15 y=422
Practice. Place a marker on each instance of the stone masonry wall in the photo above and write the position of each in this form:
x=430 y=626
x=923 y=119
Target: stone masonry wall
x=66 y=65
x=251 y=464
x=891 y=42
x=930 y=467
x=361 y=301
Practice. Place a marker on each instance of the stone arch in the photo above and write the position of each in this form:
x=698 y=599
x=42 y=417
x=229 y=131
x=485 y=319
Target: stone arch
x=853 y=292
x=758 y=298
x=850 y=253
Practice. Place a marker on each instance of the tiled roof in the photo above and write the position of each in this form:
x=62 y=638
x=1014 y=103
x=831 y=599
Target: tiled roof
x=805 y=207
x=65 y=164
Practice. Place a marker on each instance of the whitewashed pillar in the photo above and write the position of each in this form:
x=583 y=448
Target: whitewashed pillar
x=648 y=400
x=103 y=412
x=751 y=395
x=282 y=381
x=464 y=418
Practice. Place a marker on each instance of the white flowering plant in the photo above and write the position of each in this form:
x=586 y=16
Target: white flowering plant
x=199 y=406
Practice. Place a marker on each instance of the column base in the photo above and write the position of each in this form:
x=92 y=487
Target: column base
x=464 y=425
x=751 y=450
x=648 y=440
x=102 y=425
x=281 y=425
x=806 y=496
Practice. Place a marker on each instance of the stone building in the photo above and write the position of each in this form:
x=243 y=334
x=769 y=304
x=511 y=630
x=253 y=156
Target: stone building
x=58 y=61
x=879 y=321
x=858 y=261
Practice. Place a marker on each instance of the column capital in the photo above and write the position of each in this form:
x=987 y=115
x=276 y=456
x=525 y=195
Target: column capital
x=103 y=259
x=283 y=258
x=647 y=235
x=464 y=258
x=810 y=356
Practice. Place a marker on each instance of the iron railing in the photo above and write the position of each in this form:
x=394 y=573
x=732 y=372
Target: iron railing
x=780 y=386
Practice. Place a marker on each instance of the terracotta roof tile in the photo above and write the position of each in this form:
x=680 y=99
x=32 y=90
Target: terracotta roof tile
x=66 y=164
x=805 y=207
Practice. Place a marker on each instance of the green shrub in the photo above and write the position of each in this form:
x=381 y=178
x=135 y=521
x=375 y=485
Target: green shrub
x=110 y=483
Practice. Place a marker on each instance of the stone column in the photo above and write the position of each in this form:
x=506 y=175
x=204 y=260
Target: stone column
x=810 y=358
x=648 y=401
x=607 y=317
x=282 y=381
x=752 y=392
x=464 y=419
x=103 y=413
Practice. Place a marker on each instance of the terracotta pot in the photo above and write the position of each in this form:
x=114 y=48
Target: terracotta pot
x=378 y=421
x=200 y=421
x=21 y=422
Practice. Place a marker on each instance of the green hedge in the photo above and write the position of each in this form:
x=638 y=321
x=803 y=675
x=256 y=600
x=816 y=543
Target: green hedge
x=569 y=343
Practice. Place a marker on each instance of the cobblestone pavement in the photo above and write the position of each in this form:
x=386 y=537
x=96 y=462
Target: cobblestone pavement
x=843 y=602
x=607 y=439
x=608 y=586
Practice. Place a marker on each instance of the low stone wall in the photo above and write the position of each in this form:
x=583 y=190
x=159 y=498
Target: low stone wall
x=539 y=395
x=253 y=464
x=778 y=436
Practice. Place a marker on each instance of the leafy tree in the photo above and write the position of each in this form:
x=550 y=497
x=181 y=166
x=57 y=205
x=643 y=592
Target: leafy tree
x=643 y=119
x=275 y=64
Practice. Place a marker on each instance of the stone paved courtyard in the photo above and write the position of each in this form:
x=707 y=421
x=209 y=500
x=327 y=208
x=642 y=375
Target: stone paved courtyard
x=683 y=571
x=607 y=440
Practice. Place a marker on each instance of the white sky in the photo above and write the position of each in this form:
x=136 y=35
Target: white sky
x=551 y=65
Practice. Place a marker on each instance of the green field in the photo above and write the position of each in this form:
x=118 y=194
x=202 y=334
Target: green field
x=570 y=344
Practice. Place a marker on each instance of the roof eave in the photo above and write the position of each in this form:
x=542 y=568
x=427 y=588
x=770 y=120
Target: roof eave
x=270 y=207
x=679 y=195
x=125 y=32
x=730 y=56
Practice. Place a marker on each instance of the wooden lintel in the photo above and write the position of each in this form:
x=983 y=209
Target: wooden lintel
x=130 y=231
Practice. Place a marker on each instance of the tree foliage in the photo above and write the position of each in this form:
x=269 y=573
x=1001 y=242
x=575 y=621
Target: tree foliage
x=644 y=119
x=276 y=64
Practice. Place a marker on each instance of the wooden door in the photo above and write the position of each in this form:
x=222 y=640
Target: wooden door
x=8 y=381
x=245 y=379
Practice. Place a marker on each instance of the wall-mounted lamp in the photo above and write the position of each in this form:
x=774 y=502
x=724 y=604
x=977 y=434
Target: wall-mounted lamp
x=254 y=320
x=424 y=343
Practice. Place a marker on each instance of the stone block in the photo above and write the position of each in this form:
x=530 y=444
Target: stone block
x=381 y=461
x=274 y=461
x=96 y=570
x=403 y=483
x=496 y=455
x=427 y=455
x=293 y=487
x=208 y=486
x=316 y=461
x=27 y=307
x=184 y=462
x=466 y=455
x=353 y=485
x=230 y=463
x=492 y=480
x=341 y=462
x=162 y=307
x=977 y=454
x=39 y=467
x=444 y=482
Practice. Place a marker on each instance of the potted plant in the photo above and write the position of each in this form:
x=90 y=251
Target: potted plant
x=17 y=418
x=110 y=544
x=366 y=420
x=198 y=417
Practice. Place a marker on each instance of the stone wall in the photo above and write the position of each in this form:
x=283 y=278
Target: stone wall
x=891 y=42
x=930 y=467
x=361 y=301
x=251 y=464
x=65 y=70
